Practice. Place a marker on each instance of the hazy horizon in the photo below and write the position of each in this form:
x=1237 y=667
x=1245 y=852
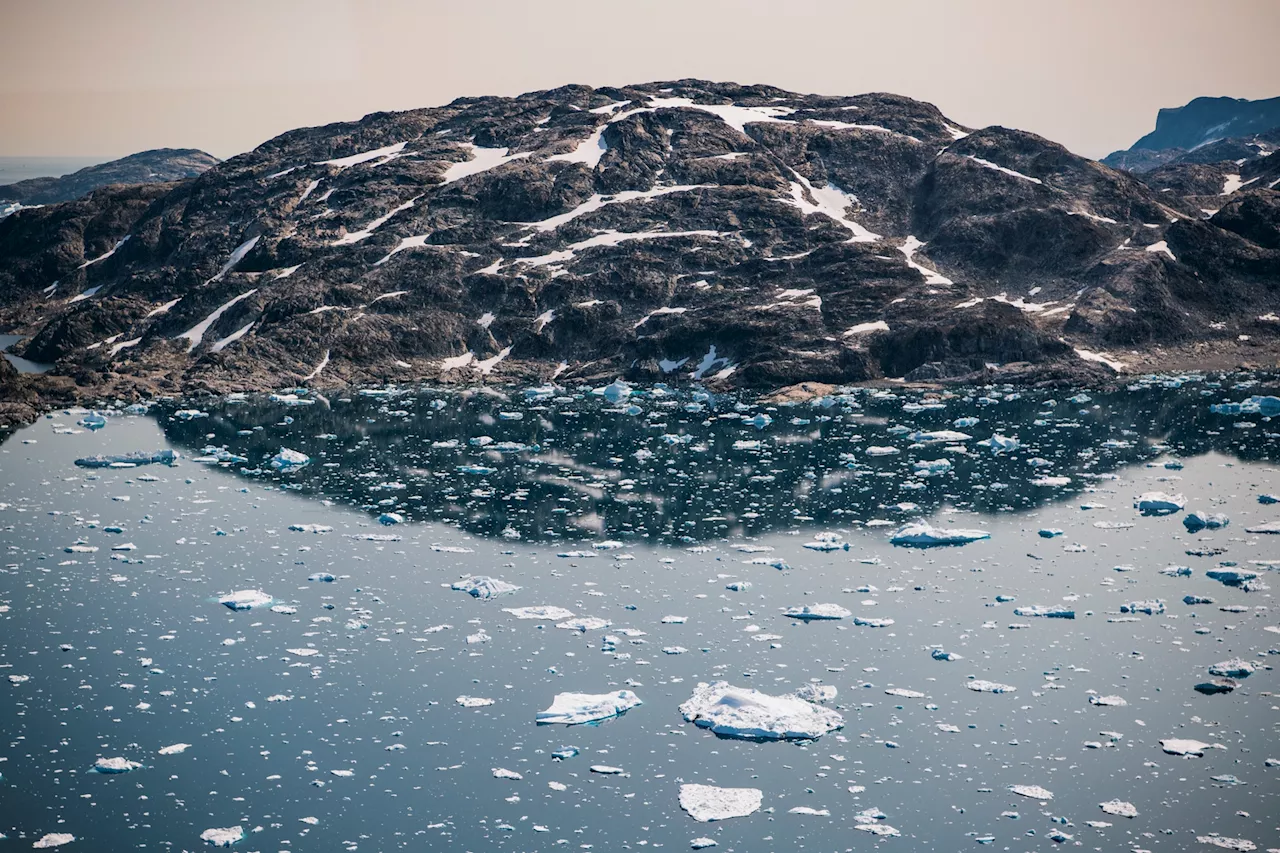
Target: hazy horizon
x=89 y=80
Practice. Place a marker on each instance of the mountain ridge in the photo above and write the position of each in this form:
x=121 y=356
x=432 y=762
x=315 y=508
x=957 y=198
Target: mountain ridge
x=684 y=230
x=157 y=165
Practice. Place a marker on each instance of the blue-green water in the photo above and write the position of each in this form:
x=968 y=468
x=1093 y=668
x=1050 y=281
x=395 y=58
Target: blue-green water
x=650 y=506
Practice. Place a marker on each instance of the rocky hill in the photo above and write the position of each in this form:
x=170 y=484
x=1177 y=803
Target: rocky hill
x=683 y=231
x=156 y=166
x=1205 y=130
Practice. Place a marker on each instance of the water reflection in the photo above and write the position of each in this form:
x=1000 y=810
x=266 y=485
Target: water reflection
x=681 y=467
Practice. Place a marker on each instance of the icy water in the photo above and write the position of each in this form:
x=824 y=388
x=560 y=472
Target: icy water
x=327 y=718
x=22 y=364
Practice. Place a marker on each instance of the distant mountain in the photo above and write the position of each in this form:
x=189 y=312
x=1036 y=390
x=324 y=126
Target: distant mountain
x=155 y=166
x=1229 y=128
x=681 y=231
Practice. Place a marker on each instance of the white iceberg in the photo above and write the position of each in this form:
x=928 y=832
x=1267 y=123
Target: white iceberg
x=289 y=460
x=574 y=709
x=1203 y=520
x=1186 y=746
x=1159 y=503
x=921 y=534
x=54 y=839
x=817 y=612
x=542 y=612
x=223 y=837
x=246 y=599
x=981 y=686
x=943 y=436
x=1035 y=792
x=483 y=586
x=584 y=624
x=706 y=803
x=745 y=713
x=1119 y=808
x=115 y=765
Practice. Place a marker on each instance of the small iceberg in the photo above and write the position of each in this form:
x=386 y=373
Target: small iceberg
x=1187 y=747
x=223 y=837
x=129 y=460
x=53 y=839
x=289 y=460
x=1001 y=444
x=111 y=766
x=980 y=686
x=543 y=613
x=1045 y=611
x=942 y=436
x=1119 y=808
x=1159 y=503
x=921 y=534
x=573 y=709
x=483 y=586
x=1202 y=520
x=817 y=612
x=706 y=803
x=246 y=599
x=1035 y=792
x=744 y=713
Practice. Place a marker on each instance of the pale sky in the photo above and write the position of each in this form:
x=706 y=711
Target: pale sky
x=110 y=77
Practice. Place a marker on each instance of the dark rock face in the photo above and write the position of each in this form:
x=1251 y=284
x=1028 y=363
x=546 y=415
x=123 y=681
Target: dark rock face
x=1205 y=120
x=157 y=166
x=671 y=231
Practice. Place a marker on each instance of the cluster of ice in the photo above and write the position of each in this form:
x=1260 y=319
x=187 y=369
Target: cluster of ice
x=745 y=713
x=577 y=708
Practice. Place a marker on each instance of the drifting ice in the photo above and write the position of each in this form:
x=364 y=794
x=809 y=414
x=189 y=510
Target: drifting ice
x=706 y=803
x=574 y=709
x=745 y=713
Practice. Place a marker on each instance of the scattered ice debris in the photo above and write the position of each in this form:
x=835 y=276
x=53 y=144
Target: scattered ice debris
x=542 y=613
x=577 y=708
x=921 y=534
x=1034 y=792
x=483 y=586
x=223 y=837
x=246 y=599
x=745 y=713
x=1159 y=503
x=289 y=460
x=817 y=612
x=981 y=686
x=129 y=460
x=1181 y=746
x=115 y=765
x=706 y=803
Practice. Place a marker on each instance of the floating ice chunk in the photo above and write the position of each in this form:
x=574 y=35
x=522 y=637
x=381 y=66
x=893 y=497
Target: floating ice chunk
x=1119 y=808
x=584 y=624
x=246 y=599
x=939 y=654
x=1243 y=578
x=981 y=686
x=483 y=586
x=1200 y=520
x=1183 y=746
x=816 y=692
x=606 y=770
x=921 y=534
x=817 y=612
x=542 y=613
x=173 y=749
x=289 y=460
x=473 y=702
x=871 y=622
x=303 y=652
x=53 y=839
x=931 y=467
x=882 y=451
x=881 y=829
x=1108 y=701
x=1159 y=503
x=615 y=392
x=1234 y=668
x=1215 y=686
x=504 y=773
x=745 y=713
x=577 y=708
x=1001 y=444
x=1256 y=405
x=702 y=843
x=808 y=810
x=115 y=765
x=1268 y=527
x=1049 y=532
x=223 y=837
x=1242 y=844
x=1151 y=607
x=827 y=542
x=311 y=528
x=1046 y=611
x=389 y=518
x=1034 y=792
x=904 y=693
x=120 y=460
x=944 y=436
x=706 y=803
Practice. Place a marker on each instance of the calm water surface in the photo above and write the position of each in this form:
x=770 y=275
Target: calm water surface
x=127 y=650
